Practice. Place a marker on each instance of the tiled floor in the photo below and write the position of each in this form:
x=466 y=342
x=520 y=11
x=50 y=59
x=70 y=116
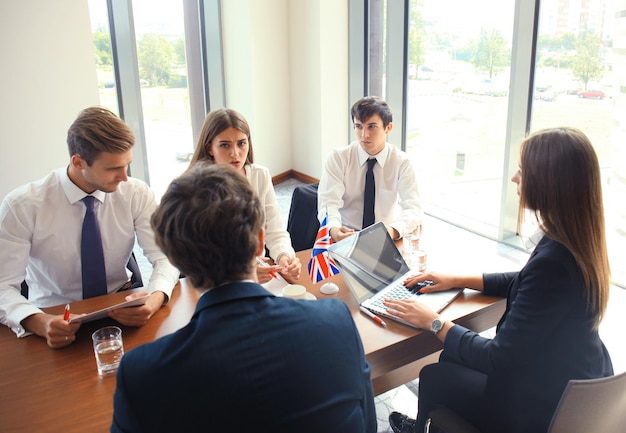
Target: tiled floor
x=490 y=256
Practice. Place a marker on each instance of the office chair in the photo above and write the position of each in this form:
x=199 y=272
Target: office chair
x=133 y=266
x=303 y=224
x=590 y=405
x=135 y=278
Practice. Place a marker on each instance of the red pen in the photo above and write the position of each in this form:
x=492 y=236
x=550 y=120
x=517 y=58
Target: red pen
x=66 y=312
x=263 y=263
x=376 y=319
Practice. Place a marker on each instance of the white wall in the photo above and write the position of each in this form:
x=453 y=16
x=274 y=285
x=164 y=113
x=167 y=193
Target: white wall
x=47 y=77
x=285 y=64
x=318 y=55
x=287 y=73
x=256 y=73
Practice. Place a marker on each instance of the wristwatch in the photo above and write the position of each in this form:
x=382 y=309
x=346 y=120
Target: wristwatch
x=436 y=326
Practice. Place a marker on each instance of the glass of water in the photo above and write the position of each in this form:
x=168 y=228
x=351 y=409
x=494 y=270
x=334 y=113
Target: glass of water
x=108 y=348
x=411 y=240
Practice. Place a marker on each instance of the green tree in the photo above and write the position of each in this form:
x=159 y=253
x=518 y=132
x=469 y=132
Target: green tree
x=491 y=52
x=416 y=34
x=587 y=64
x=567 y=41
x=179 y=51
x=102 y=48
x=155 y=56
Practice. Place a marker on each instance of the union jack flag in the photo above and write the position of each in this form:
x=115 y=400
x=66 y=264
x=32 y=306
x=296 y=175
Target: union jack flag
x=321 y=265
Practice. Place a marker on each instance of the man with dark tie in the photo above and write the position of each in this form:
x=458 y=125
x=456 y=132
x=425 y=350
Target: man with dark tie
x=369 y=180
x=69 y=236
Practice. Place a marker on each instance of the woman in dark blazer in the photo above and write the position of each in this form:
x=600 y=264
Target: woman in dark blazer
x=548 y=334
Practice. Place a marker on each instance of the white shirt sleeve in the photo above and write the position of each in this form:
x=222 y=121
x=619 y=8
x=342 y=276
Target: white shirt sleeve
x=331 y=190
x=411 y=213
x=277 y=238
x=14 y=252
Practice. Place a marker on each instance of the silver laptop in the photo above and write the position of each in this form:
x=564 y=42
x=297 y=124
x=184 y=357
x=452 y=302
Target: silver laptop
x=374 y=270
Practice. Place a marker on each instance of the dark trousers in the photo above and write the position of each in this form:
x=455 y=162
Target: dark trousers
x=455 y=386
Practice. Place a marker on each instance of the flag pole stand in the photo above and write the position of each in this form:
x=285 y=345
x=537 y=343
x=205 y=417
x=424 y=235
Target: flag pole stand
x=329 y=288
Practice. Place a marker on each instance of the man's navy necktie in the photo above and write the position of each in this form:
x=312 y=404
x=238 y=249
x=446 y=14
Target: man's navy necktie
x=370 y=194
x=91 y=255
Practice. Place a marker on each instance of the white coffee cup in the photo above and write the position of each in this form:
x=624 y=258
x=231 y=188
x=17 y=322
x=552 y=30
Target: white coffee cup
x=294 y=291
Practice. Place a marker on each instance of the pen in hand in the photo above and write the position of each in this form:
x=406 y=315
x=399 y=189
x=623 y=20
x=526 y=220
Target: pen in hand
x=66 y=313
x=263 y=263
x=374 y=317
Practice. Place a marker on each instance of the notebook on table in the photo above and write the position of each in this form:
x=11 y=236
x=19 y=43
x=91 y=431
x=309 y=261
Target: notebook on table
x=374 y=270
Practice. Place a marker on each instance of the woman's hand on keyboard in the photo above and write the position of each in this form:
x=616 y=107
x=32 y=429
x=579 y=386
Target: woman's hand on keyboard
x=440 y=282
x=414 y=312
x=431 y=282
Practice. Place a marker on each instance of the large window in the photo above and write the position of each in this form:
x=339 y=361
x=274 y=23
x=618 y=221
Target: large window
x=577 y=82
x=103 y=54
x=160 y=37
x=459 y=60
x=158 y=93
x=466 y=81
x=477 y=83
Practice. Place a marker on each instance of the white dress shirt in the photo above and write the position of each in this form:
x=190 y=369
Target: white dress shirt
x=341 y=188
x=40 y=231
x=277 y=239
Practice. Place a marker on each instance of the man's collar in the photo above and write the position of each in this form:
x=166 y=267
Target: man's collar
x=381 y=156
x=74 y=193
x=230 y=291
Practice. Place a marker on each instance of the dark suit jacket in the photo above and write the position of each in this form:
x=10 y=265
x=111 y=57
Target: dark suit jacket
x=544 y=339
x=250 y=361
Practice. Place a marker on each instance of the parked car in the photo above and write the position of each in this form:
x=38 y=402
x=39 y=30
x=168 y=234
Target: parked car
x=591 y=94
x=549 y=95
x=540 y=88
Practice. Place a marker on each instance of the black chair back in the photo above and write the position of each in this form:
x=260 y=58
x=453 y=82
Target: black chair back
x=303 y=224
x=135 y=278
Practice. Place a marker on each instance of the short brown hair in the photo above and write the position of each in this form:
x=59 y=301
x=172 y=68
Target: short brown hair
x=216 y=122
x=208 y=224
x=95 y=130
x=366 y=107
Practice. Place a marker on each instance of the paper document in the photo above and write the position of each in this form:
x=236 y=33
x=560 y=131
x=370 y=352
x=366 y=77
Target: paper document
x=100 y=314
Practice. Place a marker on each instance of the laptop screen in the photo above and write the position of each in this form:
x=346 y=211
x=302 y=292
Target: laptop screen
x=369 y=261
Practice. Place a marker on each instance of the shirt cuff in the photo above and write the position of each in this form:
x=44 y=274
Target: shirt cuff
x=14 y=320
x=280 y=256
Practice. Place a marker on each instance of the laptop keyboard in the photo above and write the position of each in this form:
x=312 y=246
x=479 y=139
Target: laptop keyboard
x=398 y=292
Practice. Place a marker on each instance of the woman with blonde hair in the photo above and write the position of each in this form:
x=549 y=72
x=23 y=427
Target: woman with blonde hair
x=225 y=139
x=548 y=334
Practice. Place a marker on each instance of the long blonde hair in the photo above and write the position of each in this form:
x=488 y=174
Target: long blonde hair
x=561 y=183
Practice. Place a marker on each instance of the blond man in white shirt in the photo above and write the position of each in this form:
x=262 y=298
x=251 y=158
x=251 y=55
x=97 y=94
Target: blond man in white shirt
x=40 y=232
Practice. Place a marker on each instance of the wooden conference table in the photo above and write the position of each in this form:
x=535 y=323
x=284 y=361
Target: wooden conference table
x=46 y=390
